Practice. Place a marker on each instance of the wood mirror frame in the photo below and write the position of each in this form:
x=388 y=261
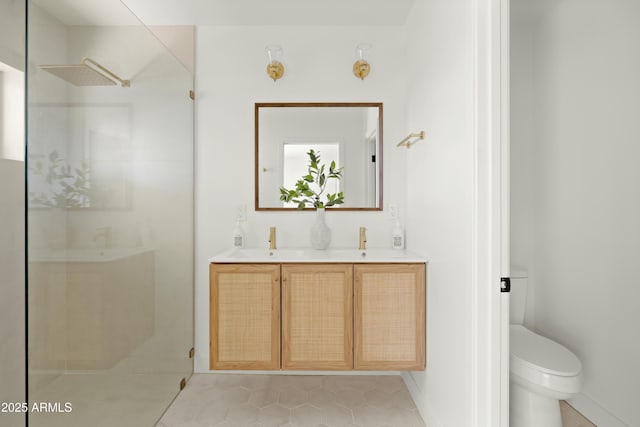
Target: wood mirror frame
x=378 y=154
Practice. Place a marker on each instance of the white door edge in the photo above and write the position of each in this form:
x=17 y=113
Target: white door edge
x=490 y=347
x=505 y=216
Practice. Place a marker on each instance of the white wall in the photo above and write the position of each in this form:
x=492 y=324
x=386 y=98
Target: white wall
x=12 y=289
x=12 y=39
x=522 y=160
x=231 y=77
x=439 y=210
x=522 y=146
x=586 y=204
x=12 y=240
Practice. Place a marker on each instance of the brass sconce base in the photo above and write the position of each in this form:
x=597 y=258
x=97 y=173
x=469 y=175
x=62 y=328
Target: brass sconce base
x=361 y=69
x=275 y=70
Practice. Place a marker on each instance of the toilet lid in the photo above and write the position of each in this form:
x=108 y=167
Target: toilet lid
x=540 y=353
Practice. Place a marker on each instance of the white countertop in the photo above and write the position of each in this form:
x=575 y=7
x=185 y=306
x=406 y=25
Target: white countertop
x=82 y=255
x=261 y=255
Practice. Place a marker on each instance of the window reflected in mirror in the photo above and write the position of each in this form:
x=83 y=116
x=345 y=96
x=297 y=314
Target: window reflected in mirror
x=348 y=133
x=296 y=161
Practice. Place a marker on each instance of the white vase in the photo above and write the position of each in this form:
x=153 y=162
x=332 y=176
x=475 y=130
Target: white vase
x=320 y=233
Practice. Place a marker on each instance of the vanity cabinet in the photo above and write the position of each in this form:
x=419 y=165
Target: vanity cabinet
x=389 y=321
x=317 y=316
x=245 y=316
x=331 y=316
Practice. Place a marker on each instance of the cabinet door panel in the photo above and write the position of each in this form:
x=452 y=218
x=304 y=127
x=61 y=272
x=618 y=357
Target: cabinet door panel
x=245 y=316
x=389 y=326
x=317 y=316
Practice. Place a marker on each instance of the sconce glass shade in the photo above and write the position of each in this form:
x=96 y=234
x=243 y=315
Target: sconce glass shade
x=361 y=67
x=275 y=69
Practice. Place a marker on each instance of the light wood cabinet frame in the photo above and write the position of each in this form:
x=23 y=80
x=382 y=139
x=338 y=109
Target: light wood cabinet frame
x=236 y=312
x=375 y=347
x=317 y=299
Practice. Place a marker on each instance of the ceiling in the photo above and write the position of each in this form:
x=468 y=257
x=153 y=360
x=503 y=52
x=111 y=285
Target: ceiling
x=89 y=12
x=231 y=12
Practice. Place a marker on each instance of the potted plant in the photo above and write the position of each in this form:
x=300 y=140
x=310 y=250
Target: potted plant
x=309 y=191
x=310 y=187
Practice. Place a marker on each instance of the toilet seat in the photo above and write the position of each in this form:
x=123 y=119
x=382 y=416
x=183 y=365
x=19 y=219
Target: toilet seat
x=543 y=364
x=534 y=351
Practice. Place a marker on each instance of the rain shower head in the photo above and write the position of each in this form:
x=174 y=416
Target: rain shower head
x=87 y=73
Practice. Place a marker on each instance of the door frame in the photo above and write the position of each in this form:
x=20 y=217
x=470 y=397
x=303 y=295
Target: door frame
x=490 y=307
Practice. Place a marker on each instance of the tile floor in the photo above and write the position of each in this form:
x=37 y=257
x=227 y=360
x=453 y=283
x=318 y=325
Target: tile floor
x=106 y=400
x=293 y=401
x=134 y=393
x=572 y=418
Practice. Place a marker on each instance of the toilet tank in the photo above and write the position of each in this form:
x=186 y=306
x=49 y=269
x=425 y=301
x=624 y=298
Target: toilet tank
x=518 y=295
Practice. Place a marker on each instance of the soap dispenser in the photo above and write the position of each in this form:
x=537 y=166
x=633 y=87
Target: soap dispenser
x=397 y=241
x=238 y=235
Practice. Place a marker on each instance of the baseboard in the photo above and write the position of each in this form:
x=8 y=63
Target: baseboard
x=594 y=412
x=421 y=401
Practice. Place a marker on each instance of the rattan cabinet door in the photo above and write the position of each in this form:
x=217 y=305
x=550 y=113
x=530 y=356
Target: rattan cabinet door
x=245 y=316
x=389 y=322
x=317 y=316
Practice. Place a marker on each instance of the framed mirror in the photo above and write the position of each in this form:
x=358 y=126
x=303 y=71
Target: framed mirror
x=348 y=133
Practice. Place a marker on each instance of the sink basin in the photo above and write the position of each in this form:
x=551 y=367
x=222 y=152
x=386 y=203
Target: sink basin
x=259 y=255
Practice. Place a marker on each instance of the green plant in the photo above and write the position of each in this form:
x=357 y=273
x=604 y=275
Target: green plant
x=305 y=194
x=67 y=187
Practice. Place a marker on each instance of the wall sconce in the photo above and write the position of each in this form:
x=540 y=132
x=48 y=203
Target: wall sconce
x=275 y=69
x=361 y=67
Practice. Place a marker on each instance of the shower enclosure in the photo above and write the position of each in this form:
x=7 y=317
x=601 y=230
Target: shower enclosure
x=109 y=217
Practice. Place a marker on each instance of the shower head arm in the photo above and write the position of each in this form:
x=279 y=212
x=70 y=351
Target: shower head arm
x=123 y=83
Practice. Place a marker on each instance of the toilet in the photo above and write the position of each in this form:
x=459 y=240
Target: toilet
x=542 y=372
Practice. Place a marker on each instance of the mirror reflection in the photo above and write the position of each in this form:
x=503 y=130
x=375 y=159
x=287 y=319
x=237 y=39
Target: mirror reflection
x=348 y=133
x=83 y=161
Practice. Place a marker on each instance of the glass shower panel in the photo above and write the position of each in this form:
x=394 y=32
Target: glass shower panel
x=12 y=240
x=110 y=218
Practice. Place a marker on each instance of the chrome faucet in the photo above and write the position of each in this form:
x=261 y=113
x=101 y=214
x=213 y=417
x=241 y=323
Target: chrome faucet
x=363 y=239
x=104 y=232
x=272 y=238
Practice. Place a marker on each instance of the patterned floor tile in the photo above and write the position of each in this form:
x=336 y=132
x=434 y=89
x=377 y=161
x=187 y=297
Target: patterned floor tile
x=293 y=401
